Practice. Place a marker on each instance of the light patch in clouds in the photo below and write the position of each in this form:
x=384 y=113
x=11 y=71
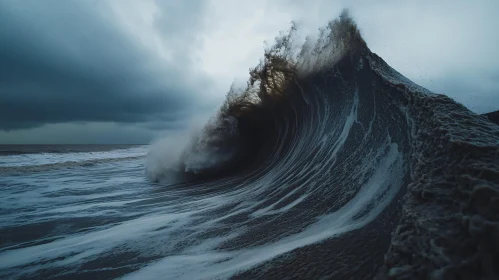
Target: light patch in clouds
x=235 y=36
x=449 y=47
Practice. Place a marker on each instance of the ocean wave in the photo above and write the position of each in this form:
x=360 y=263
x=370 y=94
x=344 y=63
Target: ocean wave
x=315 y=124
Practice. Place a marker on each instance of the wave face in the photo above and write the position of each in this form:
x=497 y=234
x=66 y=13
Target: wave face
x=330 y=164
x=335 y=151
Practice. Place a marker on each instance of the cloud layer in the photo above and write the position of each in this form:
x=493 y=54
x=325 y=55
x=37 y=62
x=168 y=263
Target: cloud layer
x=151 y=65
x=68 y=61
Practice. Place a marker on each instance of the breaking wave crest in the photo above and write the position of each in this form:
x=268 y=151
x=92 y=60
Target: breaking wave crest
x=247 y=126
x=328 y=141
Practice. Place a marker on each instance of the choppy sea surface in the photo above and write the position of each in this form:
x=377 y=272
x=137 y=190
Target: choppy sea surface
x=62 y=203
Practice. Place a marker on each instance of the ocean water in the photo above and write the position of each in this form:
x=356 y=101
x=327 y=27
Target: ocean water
x=53 y=200
x=329 y=165
x=94 y=214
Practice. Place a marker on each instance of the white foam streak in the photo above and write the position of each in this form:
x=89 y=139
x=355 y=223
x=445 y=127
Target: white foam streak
x=91 y=243
x=215 y=265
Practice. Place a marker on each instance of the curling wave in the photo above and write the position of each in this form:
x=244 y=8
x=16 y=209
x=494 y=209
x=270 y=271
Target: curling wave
x=328 y=146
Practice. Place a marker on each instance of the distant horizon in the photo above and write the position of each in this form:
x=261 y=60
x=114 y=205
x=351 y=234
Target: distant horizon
x=72 y=144
x=114 y=144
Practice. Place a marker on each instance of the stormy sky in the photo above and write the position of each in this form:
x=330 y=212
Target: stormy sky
x=103 y=71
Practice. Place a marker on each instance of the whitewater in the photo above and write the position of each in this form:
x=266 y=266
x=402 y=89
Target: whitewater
x=329 y=165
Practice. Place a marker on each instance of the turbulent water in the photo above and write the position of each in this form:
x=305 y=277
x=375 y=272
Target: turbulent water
x=330 y=164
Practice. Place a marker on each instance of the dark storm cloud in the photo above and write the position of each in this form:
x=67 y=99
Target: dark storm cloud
x=93 y=61
x=69 y=61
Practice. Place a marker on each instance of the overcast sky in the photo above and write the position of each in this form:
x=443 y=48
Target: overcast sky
x=126 y=71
